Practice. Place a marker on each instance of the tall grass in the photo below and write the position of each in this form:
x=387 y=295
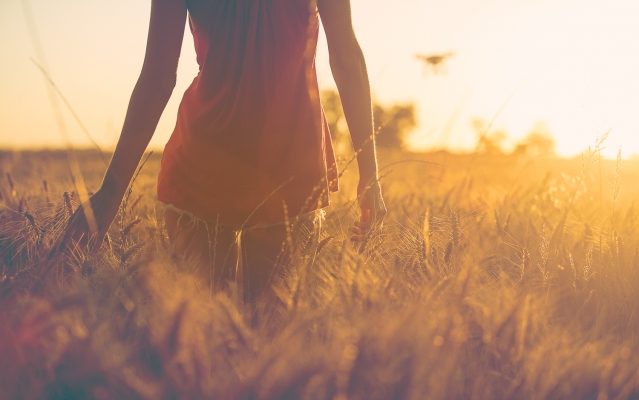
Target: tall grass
x=488 y=285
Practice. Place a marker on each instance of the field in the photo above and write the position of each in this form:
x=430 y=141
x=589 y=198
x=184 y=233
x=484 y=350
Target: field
x=494 y=276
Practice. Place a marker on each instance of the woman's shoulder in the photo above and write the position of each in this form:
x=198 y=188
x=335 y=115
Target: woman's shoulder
x=200 y=3
x=202 y=12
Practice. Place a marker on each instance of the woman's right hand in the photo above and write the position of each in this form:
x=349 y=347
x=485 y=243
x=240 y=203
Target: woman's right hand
x=78 y=234
x=373 y=211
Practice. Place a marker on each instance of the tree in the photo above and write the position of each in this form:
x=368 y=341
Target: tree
x=489 y=142
x=538 y=142
x=392 y=124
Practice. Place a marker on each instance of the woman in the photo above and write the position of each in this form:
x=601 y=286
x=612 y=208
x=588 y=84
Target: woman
x=251 y=147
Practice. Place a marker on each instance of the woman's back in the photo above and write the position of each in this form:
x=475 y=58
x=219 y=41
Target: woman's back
x=250 y=144
x=250 y=134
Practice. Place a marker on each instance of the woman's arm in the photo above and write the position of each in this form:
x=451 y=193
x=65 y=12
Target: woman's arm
x=150 y=96
x=349 y=70
x=151 y=93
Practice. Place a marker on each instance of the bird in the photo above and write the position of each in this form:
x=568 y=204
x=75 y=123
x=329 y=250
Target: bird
x=434 y=61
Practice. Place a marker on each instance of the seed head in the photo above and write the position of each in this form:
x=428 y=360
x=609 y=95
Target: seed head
x=11 y=185
x=68 y=203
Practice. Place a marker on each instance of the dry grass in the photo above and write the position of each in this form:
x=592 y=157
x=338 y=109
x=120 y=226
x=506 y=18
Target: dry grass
x=518 y=280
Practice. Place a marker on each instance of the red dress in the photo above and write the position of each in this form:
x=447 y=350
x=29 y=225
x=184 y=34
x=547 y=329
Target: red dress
x=251 y=137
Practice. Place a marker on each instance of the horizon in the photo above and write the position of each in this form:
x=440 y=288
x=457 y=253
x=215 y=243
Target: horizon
x=569 y=64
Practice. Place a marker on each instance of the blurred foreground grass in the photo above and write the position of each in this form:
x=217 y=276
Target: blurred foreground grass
x=494 y=277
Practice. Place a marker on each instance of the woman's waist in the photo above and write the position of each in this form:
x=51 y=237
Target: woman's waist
x=214 y=169
x=304 y=218
x=237 y=202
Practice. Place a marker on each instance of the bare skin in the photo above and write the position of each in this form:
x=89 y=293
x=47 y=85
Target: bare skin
x=213 y=251
x=154 y=88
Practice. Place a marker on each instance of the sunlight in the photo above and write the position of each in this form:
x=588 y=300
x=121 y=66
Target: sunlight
x=570 y=63
x=474 y=235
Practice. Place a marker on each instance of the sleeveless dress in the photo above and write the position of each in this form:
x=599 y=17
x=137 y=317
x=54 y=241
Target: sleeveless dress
x=251 y=143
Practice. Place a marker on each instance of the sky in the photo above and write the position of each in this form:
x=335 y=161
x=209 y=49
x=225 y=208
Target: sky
x=572 y=64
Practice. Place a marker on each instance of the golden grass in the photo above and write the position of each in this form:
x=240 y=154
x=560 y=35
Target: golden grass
x=518 y=279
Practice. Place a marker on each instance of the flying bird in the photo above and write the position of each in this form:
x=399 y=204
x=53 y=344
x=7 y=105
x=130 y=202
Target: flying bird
x=434 y=61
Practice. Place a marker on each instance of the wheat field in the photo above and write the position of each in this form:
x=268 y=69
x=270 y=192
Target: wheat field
x=494 y=277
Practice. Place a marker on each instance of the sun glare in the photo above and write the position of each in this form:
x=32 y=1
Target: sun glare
x=571 y=64
x=467 y=252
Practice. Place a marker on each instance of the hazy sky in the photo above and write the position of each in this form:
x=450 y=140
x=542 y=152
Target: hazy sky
x=570 y=63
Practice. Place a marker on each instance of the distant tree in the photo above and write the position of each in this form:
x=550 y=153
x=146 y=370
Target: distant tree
x=489 y=142
x=393 y=123
x=538 y=142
